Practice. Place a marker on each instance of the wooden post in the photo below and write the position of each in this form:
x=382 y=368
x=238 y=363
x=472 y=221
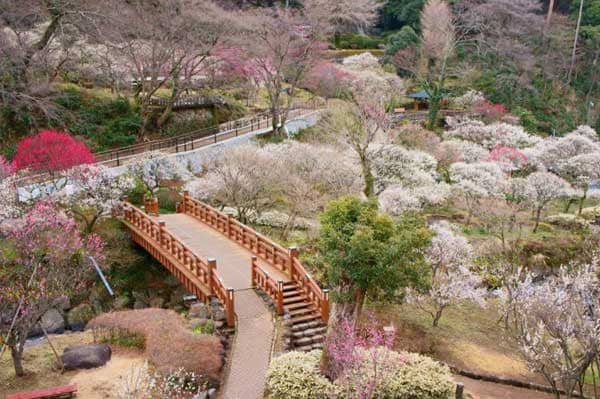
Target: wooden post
x=280 y=297
x=293 y=255
x=186 y=197
x=229 y=308
x=325 y=306
x=253 y=272
x=212 y=266
x=229 y=217
x=459 y=390
x=161 y=228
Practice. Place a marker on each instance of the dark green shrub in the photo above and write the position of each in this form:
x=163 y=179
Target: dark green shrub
x=357 y=41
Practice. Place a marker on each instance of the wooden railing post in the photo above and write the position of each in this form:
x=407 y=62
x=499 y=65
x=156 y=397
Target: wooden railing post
x=293 y=255
x=229 y=217
x=161 y=228
x=229 y=308
x=253 y=272
x=280 y=297
x=186 y=197
x=325 y=306
x=212 y=266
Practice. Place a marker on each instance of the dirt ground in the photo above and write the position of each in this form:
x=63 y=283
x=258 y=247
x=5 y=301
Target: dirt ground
x=487 y=390
x=100 y=383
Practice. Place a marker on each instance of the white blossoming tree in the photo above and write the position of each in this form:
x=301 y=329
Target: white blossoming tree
x=475 y=181
x=556 y=322
x=93 y=192
x=309 y=176
x=543 y=187
x=490 y=136
x=397 y=199
x=581 y=170
x=154 y=168
x=449 y=257
x=243 y=177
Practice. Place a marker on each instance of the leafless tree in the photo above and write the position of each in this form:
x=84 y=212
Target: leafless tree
x=37 y=42
x=166 y=44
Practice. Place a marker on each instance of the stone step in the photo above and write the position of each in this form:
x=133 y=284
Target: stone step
x=292 y=293
x=307 y=325
x=294 y=299
x=310 y=332
x=297 y=305
x=302 y=311
x=304 y=318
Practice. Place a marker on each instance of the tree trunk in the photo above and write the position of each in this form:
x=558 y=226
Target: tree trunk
x=17 y=357
x=574 y=52
x=437 y=317
x=359 y=299
x=550 y=13
x=581 y=201
x=367 y=176
x=434 y=108
x=538 y=213
x=569 y=203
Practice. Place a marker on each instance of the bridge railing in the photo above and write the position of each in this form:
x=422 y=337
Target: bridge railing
x=199 y=275
x=285 y=260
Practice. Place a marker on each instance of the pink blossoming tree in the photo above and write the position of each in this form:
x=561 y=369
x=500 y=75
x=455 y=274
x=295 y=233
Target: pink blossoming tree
x=45 y=258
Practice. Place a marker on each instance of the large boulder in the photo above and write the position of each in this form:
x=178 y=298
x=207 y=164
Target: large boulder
x=52 y=321
x=86 y=356
x=198 y=310
x=79 y=316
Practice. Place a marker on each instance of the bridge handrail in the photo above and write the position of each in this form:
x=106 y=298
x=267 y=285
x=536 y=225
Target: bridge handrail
x=284 y=260
x=203 y=270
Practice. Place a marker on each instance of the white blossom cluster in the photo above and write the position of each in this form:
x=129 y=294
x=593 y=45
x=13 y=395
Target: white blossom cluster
x=496 y=134
x=153 y=168
x=477 y=180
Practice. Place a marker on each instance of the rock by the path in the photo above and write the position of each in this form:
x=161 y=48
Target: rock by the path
x=139 y=304
x=219 y=315
x=78 y=317
x=157 y=302
x=198 y=310
x=86 y=356
x=62 y=304
x=52 y=321
x=121 y=302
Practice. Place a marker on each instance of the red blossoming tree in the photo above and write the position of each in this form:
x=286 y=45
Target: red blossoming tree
x=50 y=152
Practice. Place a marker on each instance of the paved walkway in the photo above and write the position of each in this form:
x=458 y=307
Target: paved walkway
x=250 y=353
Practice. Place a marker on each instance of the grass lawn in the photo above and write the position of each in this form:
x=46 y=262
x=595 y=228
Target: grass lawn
x=468 y=337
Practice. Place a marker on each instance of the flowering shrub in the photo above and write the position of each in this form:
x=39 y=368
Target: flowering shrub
x=142 y=383
x=51 y=151
x=508 y=158
x=468 y=100
x=489 y=111
x=567 y=221
x=591 y=212
x=296 y=375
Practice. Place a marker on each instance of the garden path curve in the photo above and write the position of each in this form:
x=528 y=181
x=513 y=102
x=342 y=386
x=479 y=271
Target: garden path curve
x=250 y=353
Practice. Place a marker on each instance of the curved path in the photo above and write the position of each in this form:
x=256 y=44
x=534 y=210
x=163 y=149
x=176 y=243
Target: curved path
x=250 y=353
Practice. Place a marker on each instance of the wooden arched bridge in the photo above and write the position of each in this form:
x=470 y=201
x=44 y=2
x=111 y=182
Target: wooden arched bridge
x=214 y=255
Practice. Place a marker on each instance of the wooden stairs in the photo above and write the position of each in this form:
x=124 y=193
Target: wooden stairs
x=307 y=330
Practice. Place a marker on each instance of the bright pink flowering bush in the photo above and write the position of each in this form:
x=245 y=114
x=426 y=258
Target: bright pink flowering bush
x=490 y=111
x=51 y=151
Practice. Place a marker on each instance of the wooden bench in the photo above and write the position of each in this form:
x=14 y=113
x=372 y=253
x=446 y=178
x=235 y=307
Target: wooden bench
x=67 y=391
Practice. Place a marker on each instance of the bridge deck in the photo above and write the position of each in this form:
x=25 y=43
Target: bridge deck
x=233 y=260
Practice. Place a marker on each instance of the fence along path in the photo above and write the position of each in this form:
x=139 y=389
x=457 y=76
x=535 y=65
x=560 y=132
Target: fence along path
x=214 y=255
x=199 y=138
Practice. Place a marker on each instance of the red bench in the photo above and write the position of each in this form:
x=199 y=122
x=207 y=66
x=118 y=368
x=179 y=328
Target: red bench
x=67 y=391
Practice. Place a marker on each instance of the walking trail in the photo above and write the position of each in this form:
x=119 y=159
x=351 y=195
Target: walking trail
x=251 y=350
